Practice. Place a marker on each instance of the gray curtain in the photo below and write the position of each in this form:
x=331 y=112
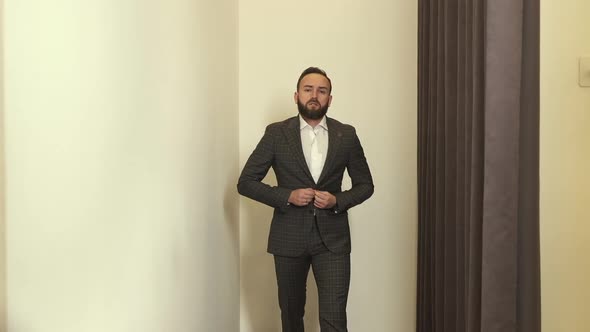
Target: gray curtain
x=478 y=166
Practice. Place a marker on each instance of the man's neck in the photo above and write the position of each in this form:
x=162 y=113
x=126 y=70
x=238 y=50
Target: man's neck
x=312 y=122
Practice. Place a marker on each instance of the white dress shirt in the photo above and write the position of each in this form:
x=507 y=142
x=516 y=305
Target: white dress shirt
x=315 y=156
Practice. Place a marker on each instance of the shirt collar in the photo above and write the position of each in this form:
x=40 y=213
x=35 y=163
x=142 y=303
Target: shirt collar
x=303 y=124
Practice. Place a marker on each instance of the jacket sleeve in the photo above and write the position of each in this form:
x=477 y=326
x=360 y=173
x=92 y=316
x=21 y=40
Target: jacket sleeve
x=250 y=182
x=360 y=175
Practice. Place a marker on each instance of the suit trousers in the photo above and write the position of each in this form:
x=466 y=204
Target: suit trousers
x=332 y=275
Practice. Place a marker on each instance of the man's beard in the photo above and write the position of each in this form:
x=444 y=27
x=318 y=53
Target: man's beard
x=312 y=114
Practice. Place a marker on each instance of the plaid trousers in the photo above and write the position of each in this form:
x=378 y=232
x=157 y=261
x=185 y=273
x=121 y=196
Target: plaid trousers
x=332 y=275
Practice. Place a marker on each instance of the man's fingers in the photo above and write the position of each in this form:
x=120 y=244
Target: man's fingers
x=305 y=196
x=320 y=205
x=307 y=192
x=324 y=199
x=321 y=195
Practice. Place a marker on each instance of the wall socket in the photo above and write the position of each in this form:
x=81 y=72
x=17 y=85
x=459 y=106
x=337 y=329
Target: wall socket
x=584 y=78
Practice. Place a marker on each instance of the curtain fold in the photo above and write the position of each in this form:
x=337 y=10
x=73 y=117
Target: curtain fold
x=478 y=166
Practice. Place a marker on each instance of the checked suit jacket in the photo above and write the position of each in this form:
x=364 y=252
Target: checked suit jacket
x=280 y=148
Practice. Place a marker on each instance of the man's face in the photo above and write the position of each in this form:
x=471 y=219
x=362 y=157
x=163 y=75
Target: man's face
x=313 y=96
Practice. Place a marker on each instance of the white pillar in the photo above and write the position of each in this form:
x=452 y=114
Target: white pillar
x=121 y=154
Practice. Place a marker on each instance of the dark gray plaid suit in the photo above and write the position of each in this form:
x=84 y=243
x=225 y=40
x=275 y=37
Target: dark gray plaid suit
x=303 y=231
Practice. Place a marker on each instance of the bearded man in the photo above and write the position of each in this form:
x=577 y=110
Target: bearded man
x=309 y=154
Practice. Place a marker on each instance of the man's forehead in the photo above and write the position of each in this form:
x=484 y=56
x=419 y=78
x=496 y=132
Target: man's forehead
x=315 y=80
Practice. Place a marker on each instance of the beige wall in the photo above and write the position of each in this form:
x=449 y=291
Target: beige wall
x=369 y=50
x=565 y=163
x=122 y=159
x=2 y=183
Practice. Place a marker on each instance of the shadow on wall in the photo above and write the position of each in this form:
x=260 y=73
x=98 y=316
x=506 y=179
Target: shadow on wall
x=259 y=299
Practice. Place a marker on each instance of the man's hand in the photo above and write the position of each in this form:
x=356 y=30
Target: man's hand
x=301 y=197
x=324 y=200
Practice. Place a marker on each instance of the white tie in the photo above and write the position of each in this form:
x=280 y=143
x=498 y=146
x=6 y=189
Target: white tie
x=316 y=157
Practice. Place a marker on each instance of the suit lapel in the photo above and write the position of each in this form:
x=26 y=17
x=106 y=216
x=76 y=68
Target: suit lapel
x=334 y=140
x=293 y=134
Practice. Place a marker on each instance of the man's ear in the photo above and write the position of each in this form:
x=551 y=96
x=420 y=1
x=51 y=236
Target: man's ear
x=295 y=97
x=330 y=101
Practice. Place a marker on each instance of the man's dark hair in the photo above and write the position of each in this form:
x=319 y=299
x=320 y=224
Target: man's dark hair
x=314 y=70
